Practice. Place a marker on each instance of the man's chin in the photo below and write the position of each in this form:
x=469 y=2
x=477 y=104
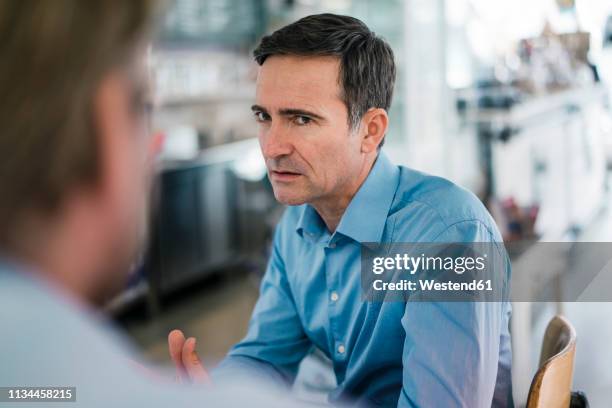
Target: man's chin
x=114 y=275
x=124 y=256
x=289 y=199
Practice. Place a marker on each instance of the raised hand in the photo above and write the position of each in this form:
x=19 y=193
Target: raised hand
x=189 y=368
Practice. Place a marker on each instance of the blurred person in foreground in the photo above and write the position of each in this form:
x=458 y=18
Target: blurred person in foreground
x=75 y=169
x=324 y=88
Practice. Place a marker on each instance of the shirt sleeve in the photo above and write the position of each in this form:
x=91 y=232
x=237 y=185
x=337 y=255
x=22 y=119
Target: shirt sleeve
x=275 y=343
x=451 y=349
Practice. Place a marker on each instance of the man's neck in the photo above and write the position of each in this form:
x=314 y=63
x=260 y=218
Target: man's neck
x=58 y=255
x=331 y=209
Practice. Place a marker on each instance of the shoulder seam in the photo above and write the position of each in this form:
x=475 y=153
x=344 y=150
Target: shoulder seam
x=477 y=221
x=431 y=207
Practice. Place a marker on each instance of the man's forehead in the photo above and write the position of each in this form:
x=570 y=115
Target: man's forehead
x=310 y=80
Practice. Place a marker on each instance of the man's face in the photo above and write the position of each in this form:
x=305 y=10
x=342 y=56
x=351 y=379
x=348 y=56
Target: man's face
x=123 y=107
x=304 y=134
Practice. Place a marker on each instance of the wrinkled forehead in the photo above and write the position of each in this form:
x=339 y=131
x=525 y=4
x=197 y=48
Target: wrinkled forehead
x=284 y=80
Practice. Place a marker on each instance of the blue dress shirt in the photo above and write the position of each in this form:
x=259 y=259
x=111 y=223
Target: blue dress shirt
x=415 y=354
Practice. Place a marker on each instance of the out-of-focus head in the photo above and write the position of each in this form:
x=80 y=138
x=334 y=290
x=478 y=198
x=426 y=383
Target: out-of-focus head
x=75 y=154
x=323 y=91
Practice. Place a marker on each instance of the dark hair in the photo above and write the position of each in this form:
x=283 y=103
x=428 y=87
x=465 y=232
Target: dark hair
x=367 y=68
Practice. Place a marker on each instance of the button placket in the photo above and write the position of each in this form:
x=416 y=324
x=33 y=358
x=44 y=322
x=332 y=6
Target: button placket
x=339 y=349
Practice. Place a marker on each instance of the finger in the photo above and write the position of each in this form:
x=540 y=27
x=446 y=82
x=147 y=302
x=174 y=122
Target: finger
x=192 y=362
x=176 y=341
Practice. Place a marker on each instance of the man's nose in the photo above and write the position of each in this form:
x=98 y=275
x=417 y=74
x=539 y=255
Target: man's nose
x=275 y=143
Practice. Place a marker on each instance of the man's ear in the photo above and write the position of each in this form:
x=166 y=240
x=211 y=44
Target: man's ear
x=108 y=108
x=374 y=126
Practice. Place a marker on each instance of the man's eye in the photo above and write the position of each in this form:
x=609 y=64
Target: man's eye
x=148 y=108
x=261 y=116
x=302 y=120
x=142 y=105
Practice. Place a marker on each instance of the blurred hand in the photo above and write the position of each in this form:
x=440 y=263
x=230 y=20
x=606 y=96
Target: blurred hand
x=189 y=368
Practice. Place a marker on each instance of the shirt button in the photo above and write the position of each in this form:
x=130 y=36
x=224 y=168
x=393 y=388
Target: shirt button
x=334 y=296
x=332 y=245
x=341 y=349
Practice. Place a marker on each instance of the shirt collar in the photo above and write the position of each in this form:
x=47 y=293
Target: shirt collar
x=310 y=223
x=365 y=217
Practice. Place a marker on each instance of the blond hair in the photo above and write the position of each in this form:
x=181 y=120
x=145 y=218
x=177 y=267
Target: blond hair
x=53 y=56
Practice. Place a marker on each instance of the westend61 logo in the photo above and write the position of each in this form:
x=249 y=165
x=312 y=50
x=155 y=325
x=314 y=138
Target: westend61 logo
x=434 y=272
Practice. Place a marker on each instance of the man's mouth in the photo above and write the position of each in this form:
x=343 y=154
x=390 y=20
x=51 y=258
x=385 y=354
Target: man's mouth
x=281 y=175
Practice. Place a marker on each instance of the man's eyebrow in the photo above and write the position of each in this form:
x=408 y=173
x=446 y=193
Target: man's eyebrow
x=289 y=112
x=300 y=112
x=257 y=108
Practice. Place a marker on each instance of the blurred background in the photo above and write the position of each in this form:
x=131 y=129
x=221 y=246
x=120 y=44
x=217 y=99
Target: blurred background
x=510 y=99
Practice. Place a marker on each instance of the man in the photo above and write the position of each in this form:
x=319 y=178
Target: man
x=323 y=91
x=75 y=165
